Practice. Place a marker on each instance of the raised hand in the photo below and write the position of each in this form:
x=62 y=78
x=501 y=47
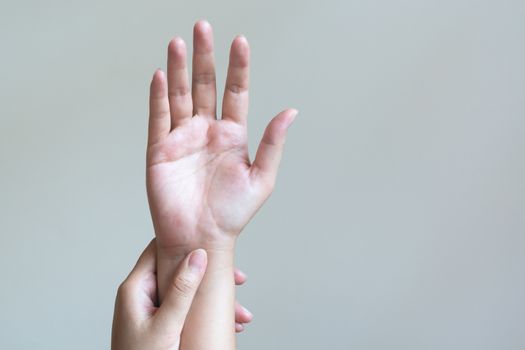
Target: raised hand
x=202 y=187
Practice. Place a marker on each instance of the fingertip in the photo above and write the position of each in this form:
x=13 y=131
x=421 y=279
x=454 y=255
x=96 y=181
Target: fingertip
x=241 y=39
x=280 y=123
x=177 y=45
x=286 y=118
x=292 y=115
x=242 y=314
x=239 y=327
x=202 y=37
x=247 y=314
x=202 y=25
x=240 y=52
x=158 y=83
x=240 y=277
x=158 y=78
x=158 y=74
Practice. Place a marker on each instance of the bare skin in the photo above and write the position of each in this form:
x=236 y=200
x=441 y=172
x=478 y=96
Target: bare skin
x=202 y=187
x=139 y=322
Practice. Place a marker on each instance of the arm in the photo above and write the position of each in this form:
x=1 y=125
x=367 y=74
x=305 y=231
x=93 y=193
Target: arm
x=210 y=323
x=202 y=187
x=138 y=323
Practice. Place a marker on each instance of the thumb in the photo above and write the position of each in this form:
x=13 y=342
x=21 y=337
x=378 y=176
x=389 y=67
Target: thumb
x=177 y=302
x=269 y=152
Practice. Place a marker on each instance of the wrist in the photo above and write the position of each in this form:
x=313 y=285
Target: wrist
x=175 y=238
x=219 y=255
x=174 y=245
x=219 y=268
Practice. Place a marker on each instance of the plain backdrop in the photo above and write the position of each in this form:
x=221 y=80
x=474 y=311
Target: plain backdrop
x=398 y=220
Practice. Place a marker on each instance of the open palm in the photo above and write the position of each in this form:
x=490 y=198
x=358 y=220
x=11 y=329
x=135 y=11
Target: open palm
x=202 y=187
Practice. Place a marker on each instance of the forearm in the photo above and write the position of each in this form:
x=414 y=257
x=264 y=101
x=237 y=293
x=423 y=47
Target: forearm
x=211 y=321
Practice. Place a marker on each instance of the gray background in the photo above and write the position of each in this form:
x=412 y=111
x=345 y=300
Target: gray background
x=398 y=219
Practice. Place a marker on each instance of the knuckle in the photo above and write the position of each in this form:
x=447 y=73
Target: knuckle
x=269 y=138
x=204 y=78
x=183 y=285
x=179 y=91
x=237 y=88
x=124 y=290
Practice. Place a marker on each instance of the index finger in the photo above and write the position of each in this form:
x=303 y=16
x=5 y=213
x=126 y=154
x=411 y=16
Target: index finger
x=235 y=100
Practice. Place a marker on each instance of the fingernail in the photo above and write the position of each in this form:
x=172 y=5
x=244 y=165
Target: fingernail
x=242 y=275
x=197 y=260
x=248 y=312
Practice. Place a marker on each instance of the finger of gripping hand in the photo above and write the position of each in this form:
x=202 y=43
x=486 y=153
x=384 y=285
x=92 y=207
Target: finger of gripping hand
x=239 y=277
x=203 y=75
x=175 y=306
x=242 y=314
